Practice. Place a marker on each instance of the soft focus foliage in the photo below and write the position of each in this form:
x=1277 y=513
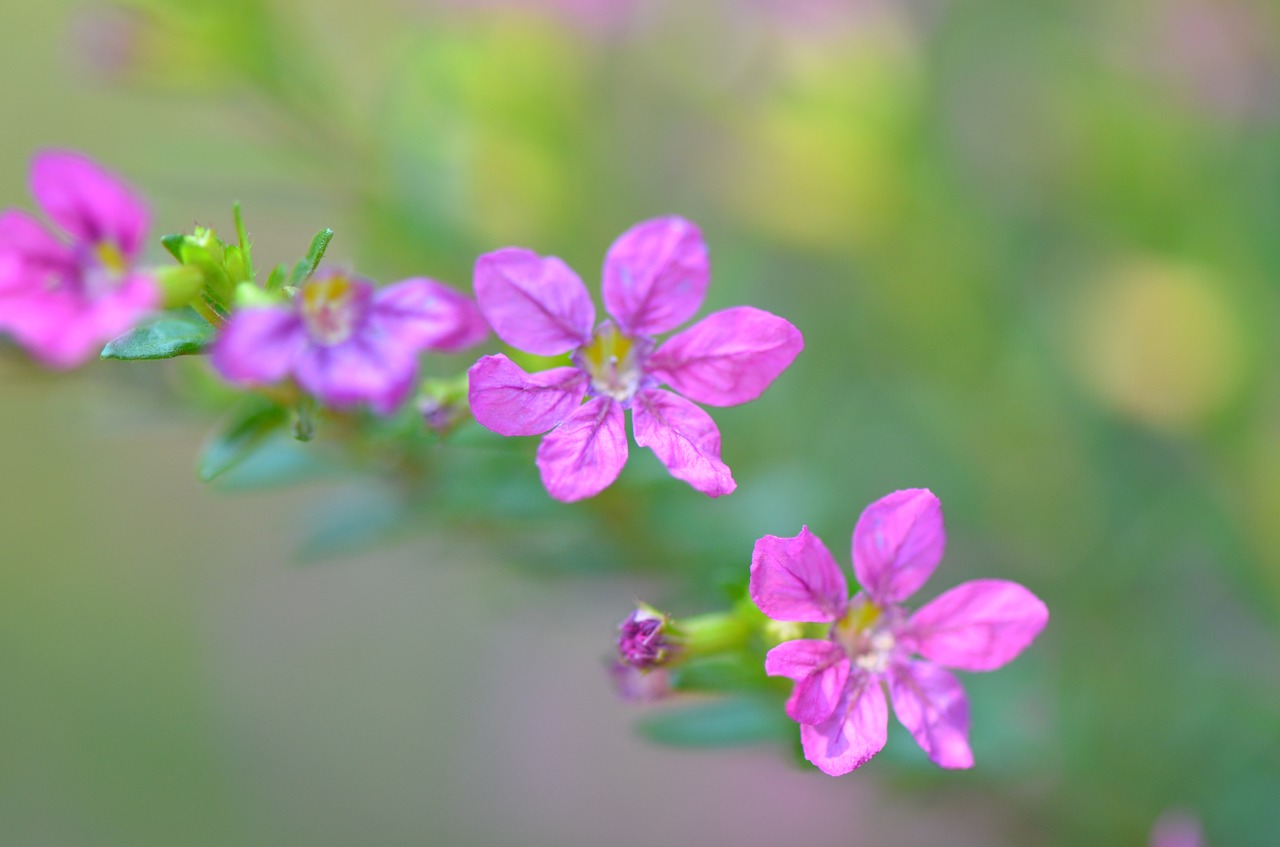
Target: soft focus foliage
x=1032 y=250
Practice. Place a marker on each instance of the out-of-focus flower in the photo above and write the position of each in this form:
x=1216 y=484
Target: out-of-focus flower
x=346 y=342
x=838 y=699
x=61 y=300
x=1176 y=828
x=655 y=277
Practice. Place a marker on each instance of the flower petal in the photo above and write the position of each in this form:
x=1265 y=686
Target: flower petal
x=584 y=455
x=684 y=438
x=820 y=669
x=978 y=625
x=37 y=252
x=532 y=302
x=855 y=732
x=796 y=579
x=429 y=315
x=898 y=541
x=359 y=370
x=931 y=704
x=87 y=201
x=655 y=276
x=258 y=345
x=728 y=357
x=509 y=401
x=63 y=329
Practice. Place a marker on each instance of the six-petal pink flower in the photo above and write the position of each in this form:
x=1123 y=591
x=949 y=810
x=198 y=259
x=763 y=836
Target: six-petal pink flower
x=838 y=699
x=655 y=278
x=62 y=301
x=346 y=342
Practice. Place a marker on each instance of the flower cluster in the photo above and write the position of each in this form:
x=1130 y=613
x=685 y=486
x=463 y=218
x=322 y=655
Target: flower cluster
x=838 y=698
x=344 y=342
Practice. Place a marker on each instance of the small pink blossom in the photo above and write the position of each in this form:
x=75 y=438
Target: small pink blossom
x=838 y=698
x=62 y=300
x=346 y=342
x=655 y=278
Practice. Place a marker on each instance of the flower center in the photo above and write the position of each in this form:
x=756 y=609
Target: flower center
x=331 y=308
x=98 y=270
x=613 y=361
x=866 y=633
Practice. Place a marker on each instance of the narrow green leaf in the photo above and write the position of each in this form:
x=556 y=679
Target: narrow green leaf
x=725 y=723
x=173 y=335
x=239 y=435
x=173 y=243
x=242 y=237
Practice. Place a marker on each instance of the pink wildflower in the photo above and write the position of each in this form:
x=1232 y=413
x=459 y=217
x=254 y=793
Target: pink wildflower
x=63 y=301
x=346 y=342
x=838 y=699
x=655 y=277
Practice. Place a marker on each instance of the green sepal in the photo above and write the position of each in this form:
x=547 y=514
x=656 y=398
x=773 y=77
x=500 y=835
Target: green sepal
x=277 y=278
x=239 y=435
x=179 y=334
x=173 y=243
x=306 y=267
x=730 y=722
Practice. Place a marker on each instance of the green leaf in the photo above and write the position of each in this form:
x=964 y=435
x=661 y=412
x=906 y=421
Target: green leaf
x=278 y=461
x=356 y=520
x=737 y=672
x=239 y=436
x=175 y=335
x=725 y=723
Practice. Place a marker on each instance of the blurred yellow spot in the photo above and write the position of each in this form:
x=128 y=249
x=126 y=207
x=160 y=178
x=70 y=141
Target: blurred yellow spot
x=1159 y=343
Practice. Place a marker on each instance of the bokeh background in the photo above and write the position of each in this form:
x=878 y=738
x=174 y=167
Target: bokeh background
x=1034 y=250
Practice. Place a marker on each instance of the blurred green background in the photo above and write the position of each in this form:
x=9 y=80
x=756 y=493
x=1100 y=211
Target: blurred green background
x=1034 y=251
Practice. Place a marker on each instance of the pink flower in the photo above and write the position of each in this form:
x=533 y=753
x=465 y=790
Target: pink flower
x=838 y=699
x=655 y=277
x=346 y=342
x=63 y=301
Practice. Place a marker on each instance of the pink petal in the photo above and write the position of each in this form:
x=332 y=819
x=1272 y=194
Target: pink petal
x=534 y=303
x=584 y=455
x=820 y=669
x=796 y=579
x=87 y=201
x=655 y=276
x=429 y=315
x=359 y=370
x=63 y=329
x=978 y=625
x=38 y=253
x=898 y=541
x=509 y=401
x=258 y=345
x=855 y=732
x=728 y=357
x=931 y=704
x=684 y=438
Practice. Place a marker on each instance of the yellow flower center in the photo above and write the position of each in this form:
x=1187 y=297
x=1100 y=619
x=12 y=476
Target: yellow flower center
x=329 y=308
